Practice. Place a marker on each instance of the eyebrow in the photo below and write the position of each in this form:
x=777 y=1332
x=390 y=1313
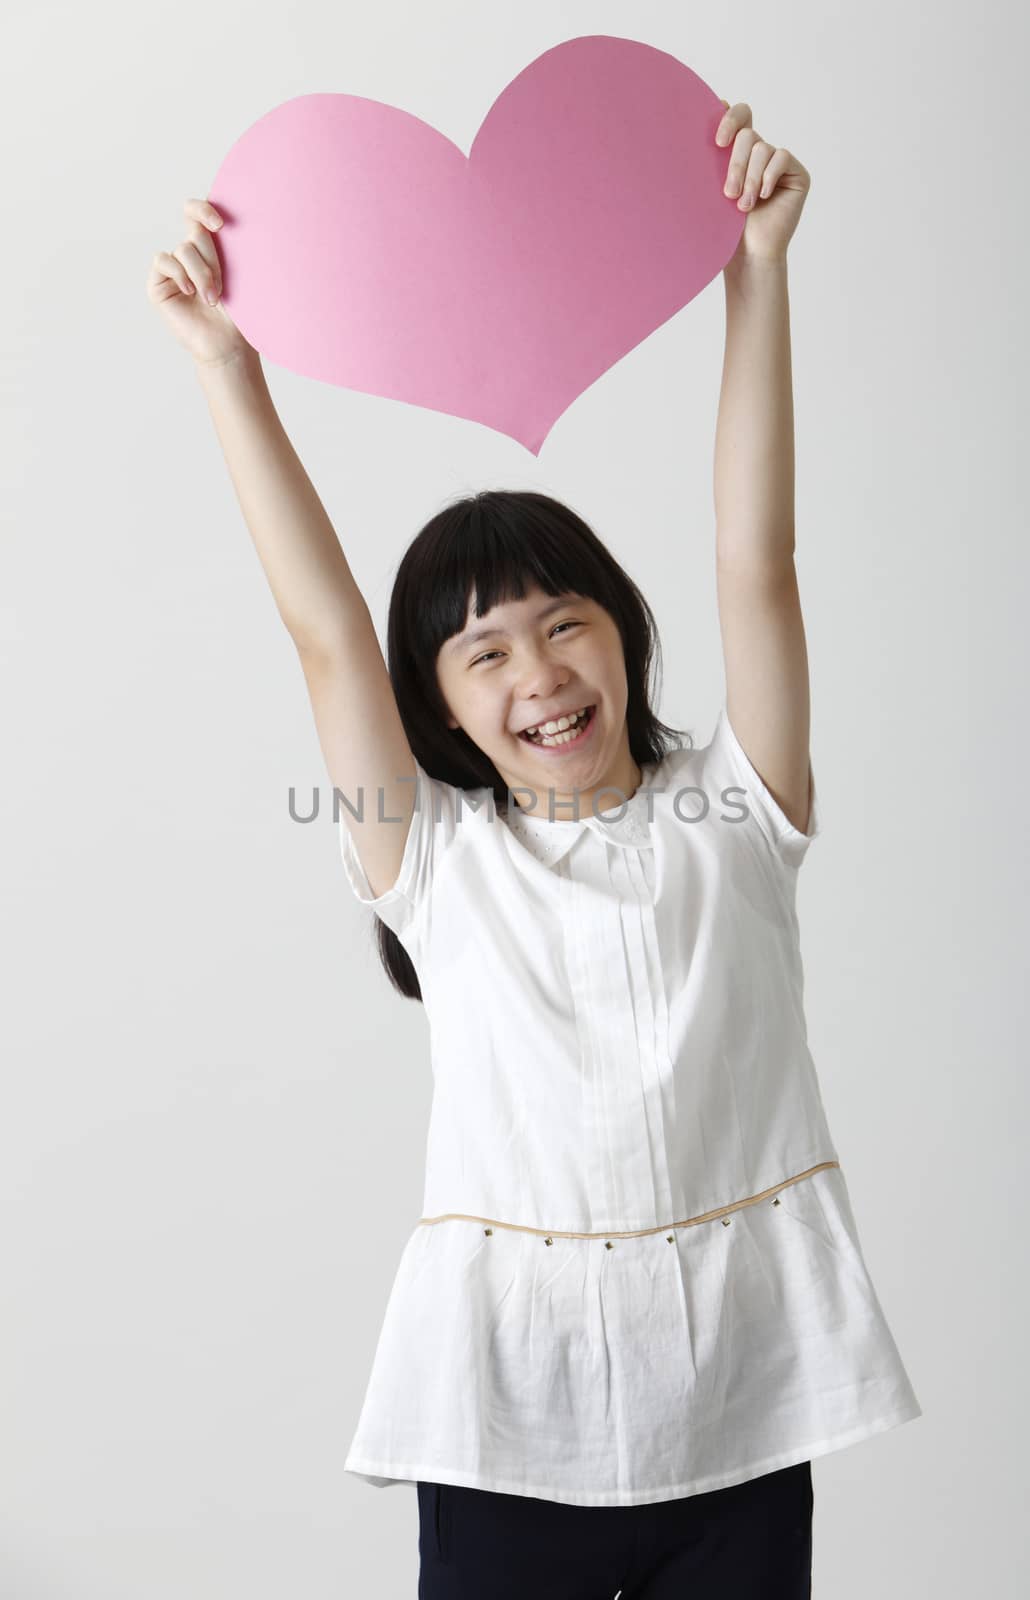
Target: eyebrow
x=478 y=635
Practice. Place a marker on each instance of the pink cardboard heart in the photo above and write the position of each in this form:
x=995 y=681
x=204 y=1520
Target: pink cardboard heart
x=363 y=248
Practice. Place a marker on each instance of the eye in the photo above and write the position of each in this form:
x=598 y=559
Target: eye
x=490 y=653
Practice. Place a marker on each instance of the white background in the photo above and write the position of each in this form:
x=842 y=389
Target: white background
x=205 y=1072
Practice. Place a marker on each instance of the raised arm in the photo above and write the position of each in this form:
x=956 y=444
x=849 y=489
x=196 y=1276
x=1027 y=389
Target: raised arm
x=309 y=576
x=359 y=726
x=763 y=636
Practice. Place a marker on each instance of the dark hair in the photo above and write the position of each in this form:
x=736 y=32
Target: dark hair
x=493 y=546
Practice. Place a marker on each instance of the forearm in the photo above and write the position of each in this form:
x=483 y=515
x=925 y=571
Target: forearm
x=754 y=437
x=307 y=571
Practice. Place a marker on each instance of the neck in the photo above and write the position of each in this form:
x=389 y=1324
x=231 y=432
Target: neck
x=572 y=805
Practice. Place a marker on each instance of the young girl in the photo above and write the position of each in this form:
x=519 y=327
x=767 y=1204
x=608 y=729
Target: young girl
x=636 y=1306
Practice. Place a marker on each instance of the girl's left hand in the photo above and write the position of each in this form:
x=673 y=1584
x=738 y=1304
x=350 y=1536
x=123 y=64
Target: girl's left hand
x=768 y=183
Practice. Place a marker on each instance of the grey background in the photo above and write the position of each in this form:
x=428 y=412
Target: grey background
x=214 y=1106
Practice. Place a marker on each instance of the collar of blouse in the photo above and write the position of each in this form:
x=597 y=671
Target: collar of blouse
x=626 y=826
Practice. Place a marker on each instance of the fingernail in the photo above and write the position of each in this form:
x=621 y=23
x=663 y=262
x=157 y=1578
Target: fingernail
x=212 y=298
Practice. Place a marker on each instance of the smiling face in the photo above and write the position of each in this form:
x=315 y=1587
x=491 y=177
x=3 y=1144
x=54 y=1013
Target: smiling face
x=531 y=661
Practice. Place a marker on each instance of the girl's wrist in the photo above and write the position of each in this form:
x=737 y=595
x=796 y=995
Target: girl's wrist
x=243 y=356
x=758 y=280
x=242 y=367
x=746 y=261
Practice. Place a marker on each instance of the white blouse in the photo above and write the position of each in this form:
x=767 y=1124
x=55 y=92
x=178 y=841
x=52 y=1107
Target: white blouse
x=638 y=1274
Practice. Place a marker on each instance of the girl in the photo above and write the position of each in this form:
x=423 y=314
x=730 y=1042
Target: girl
x=637 y=1305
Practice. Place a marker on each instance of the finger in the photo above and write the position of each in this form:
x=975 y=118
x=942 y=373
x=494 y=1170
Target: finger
x=739 y=157
x=778 y=165
x=198 y=269
x=761 y=154
x=164 y=270
x=203 y=211
x=203 y=242
x=735 y=118
x=205 y=219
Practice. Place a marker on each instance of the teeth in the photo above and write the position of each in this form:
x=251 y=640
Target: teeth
x=560 y=732
x=561 y=725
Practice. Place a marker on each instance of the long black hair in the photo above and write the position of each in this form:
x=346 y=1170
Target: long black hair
x=493 y=547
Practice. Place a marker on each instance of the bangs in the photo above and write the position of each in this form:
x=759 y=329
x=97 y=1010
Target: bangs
x=487 y=555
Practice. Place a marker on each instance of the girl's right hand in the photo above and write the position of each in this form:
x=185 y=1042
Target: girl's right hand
x=179 y=283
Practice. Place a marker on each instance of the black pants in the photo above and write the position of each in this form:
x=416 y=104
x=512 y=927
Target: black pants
x=750 y=1541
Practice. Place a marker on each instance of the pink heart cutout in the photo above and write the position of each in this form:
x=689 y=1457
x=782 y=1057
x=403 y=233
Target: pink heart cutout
x=362 y=248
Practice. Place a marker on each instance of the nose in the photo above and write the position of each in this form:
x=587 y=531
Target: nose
x=533 y=657
x=541 y=680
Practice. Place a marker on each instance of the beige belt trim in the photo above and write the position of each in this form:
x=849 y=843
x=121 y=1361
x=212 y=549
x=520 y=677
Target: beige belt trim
x=638 y=1233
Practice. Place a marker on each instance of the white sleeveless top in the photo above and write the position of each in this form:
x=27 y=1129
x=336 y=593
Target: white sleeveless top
x=637 y=1274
